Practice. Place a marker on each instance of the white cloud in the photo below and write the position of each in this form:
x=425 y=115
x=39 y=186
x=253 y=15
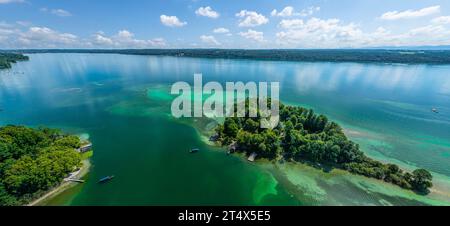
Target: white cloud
x=101 y=40
x=5 y=24
x=46 y=37
x=61 y=12
x=309 y=11
x=314 y=32
x=24 y=23
x=333 y=33
x=253 y=35
x=251 y=19
x=208 y=12
x=221 y=30
x=289 y=11
x=10 y=1
x=171 y=21
x=57 y=12
x=410 y=14
x=126 y=39
x=209 y=39
x=441 y=20
x=291 y=24
x=6 y=31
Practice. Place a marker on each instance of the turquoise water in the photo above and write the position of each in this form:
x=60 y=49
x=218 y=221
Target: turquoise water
x=123 y=103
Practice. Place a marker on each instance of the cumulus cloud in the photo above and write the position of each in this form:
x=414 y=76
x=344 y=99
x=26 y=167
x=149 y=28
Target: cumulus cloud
x=126 y=39
x=441 y=20
x=207 y=12
x=19 y=36
x=209 y=40
x=251 y=19
x=410 y=14
x=221 y=30
x=253 y=35
x=291 y=24
x=102 y=40
x=289 y=11
x=47 y=38
x=286 y=12
x=309 y=11
x=333 y=33
x=317 y=32
x=172 y=21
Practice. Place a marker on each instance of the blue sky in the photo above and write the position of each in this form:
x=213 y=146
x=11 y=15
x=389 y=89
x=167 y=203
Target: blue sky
x=223 y=23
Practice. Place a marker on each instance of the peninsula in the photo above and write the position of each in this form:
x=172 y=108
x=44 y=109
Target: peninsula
x=303 y=136
x=6 y=59
x=34 y=162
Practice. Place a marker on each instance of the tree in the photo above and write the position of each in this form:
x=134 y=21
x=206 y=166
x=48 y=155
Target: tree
x=69 y=141
x=231 y=128
x=303 y=135
x=421 y=180
x=33 y=160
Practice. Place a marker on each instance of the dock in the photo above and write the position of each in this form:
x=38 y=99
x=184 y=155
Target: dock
x=74 y=180
x=252 y=157
x=85 y=148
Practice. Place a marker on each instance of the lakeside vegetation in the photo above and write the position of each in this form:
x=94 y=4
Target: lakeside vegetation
x=6 y=59
x=303 y=136
x=398 y=56
x=32 y=161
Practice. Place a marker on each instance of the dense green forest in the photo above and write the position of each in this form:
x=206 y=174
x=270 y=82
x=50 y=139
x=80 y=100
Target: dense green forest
x=33 y=161
x=304 y=136
x=305 y=55
x=6 y=59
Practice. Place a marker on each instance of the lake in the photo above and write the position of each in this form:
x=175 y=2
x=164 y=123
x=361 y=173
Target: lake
x=122 y=104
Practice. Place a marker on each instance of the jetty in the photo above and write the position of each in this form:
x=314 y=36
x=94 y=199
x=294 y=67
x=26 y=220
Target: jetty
x=74 y=180
x=252 y=157
x=85 y=148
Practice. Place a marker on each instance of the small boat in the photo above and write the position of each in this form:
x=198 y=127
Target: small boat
x=194 y=150
x=434 y=110
x=105 y=179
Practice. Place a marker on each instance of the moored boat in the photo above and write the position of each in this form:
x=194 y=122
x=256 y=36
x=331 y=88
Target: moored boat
x=105 y=179
x=194 y=150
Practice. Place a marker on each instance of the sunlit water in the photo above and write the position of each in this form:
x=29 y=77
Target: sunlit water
x=123 y=103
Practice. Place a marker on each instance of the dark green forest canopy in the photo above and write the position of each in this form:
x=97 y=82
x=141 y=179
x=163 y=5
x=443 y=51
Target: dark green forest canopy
x=400 y=56
x=6 y=59
x=33 y=161
x=304 y=136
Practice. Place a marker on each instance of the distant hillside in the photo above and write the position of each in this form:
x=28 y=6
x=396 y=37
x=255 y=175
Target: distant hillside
x=414 y=47
x=400 y=56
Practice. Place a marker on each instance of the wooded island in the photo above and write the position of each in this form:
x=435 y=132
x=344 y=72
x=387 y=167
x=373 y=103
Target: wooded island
x=303 y=136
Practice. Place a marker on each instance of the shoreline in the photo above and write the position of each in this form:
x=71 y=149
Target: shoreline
x=436 y=195
x=65 y=185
